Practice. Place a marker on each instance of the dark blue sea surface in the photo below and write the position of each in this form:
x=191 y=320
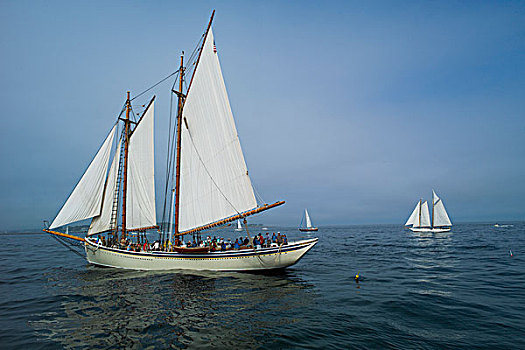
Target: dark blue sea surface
x=459 y=290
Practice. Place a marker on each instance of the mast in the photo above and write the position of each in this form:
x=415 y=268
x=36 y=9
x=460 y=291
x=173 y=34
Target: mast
x=179 y=134
x=179 y=123
x=432 y=224
x=419 y=222
x=200 y=52
x=125 y=180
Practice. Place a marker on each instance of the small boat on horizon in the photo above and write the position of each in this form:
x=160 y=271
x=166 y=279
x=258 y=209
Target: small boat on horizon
x=308 y=221
x=420 y=220
x=239 y=226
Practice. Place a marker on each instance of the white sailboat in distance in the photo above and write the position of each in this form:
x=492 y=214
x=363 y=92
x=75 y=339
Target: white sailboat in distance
x=239 y=226
x=421 y=221
x=209 y=185
x=308 y=222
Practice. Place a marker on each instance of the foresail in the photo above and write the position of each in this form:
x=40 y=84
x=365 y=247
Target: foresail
x=308 y=220
x=214 y=178
x=86 y=199
x=140 y=199
x=414 y=217
x=103 y=222
x=425 y=217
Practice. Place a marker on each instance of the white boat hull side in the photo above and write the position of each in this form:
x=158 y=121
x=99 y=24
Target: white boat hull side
x=428 y=229
x=231 y=260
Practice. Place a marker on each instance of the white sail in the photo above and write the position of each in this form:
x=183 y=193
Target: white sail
x=102 y=222
x=140 y=200
x=308 y=221
x=239 y=226
x=414 y=217
x=214 y=178
x=440 y=214
x=86 y=199
x=425 y=216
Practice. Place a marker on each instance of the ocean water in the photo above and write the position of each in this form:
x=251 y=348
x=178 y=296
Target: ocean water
x=459 y=290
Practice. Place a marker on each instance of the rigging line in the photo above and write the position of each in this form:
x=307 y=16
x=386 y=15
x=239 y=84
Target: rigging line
x=207 y=171
x=151 y=87
x=67 y=246
x=257 y=194
x=169 y=162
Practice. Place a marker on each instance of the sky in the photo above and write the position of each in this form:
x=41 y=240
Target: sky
x=354 y=110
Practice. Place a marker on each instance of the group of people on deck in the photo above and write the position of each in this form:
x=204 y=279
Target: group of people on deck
x=220 y=244
x=214 y=244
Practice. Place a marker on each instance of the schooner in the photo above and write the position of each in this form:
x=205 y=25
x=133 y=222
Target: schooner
x=211 y=185
x=420 y=220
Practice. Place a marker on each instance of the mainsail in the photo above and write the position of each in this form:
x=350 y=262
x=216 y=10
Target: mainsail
x=140 y=205
x=103 y=222
x=214 y=182
x=308 y=221
x=440 y=214
x=86 y=199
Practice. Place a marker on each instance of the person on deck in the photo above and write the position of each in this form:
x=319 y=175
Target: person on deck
x=285 y=240
x=236 y=245
x=274 y=238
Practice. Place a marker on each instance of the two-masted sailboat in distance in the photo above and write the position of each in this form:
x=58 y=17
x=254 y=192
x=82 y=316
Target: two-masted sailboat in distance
x=308 y=223
x=207 y=185
x=420 y=220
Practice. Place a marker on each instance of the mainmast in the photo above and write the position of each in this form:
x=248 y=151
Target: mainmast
x=179 y=132
x=419 y=222
x=125 y=180
x=179 y=123
x=432 y=225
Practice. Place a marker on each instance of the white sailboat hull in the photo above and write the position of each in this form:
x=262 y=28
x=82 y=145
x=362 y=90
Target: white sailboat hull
x=431 y=230
x=231 y=260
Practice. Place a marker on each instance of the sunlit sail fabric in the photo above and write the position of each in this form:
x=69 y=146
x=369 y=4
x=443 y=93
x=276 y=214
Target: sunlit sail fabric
x=102 y=222
x=214 y=178
x=440 y=214
x=414 y=217
x=140 y=200
x=308 y=221
x=86 y=199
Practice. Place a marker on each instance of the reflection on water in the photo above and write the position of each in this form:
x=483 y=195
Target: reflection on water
x=103 y=308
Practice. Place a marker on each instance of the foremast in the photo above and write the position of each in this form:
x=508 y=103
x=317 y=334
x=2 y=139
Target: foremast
x=126 y=153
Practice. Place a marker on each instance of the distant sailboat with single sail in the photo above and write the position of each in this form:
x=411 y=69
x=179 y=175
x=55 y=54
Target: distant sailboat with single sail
x=420 y=220
x=239 y=226
x=308 y=222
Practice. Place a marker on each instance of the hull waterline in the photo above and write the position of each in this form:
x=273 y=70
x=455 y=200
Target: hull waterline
x=313 y=229
x=431 y=230
x=230 y=260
